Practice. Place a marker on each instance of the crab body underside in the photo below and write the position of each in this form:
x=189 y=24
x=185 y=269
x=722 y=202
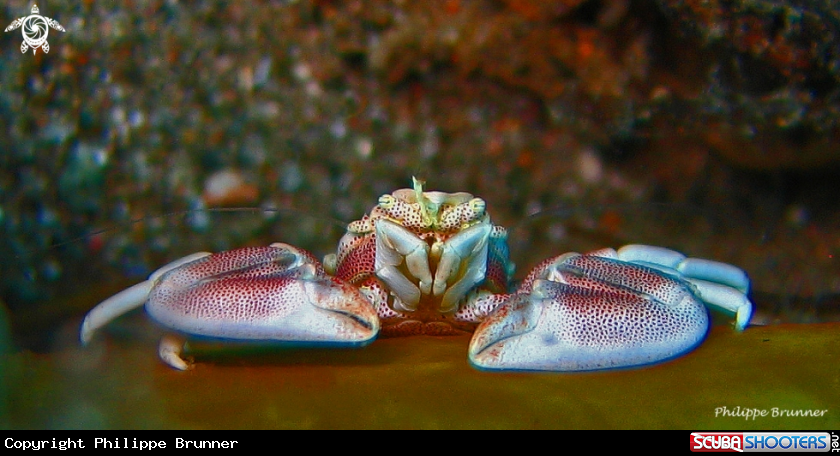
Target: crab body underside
x=433 y=263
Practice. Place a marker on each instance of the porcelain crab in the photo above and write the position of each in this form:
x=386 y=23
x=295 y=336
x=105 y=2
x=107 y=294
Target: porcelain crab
x=433 y=263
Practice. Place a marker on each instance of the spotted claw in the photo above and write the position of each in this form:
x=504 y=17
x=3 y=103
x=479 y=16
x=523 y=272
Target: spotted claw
x=276 y=293
x=608 y=309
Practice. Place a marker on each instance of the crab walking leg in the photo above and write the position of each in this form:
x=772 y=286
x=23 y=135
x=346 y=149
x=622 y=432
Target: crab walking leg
x=128 y=299
x=698 y=268
x=169 y=351
x=724 y=297
x=395 y=244
x=721 y=285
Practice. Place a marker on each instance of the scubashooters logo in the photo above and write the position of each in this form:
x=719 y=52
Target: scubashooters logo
x=35 y=29
x=760 y=441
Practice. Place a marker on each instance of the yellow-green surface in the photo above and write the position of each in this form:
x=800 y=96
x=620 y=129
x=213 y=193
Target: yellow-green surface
x=426 y=382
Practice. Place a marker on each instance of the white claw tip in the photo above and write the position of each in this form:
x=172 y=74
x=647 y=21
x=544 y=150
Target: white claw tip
x=85 y=334
x=742 y=318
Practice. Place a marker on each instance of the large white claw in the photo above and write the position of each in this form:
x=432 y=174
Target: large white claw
x=602 y=310
x=276 y=293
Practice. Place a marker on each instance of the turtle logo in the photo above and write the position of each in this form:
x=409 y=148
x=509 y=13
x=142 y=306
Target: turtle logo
x=35 y=29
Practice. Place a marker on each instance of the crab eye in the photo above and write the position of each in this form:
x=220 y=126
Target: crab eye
x=478 y=206
x=387 y=201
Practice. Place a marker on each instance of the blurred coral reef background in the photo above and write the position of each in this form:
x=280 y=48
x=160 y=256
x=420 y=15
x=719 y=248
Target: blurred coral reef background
x=706 y=126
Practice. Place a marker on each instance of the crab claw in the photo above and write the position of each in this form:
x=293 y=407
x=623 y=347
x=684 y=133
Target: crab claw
x=276 y=293
x=600 y=311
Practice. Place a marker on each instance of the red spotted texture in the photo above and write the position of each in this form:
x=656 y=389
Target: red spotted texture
x=456 y=212
x=234 y=299
x=250 y=286
x=588 y=317
x=356 y=258
x=591 y=272
x=405 y=213
x=246 y=262
x=479 y=306
x=454 y=218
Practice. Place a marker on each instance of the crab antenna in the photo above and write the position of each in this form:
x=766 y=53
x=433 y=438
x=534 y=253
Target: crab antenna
x=428 y=209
